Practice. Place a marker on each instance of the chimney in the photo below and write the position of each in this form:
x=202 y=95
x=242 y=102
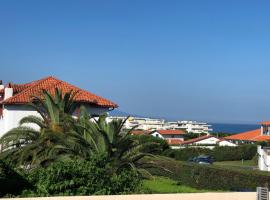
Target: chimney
x=1 y=85
x=8 y=93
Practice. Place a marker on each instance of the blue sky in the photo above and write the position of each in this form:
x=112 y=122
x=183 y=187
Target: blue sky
x=202 y=60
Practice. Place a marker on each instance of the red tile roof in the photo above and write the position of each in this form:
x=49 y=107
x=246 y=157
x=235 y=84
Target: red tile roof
x=171 y=132
x=174 y=141
x=140 y=132
x=23 y=93
x=254 y=135
x=265 y=123
x=199 y=139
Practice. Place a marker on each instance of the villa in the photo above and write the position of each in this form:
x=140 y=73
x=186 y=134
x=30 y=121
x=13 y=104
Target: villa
x=207 y=141
x=173 y=137
x=14 y=100
x=253 y=136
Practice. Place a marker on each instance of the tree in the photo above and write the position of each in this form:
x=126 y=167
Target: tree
x=29 y=146
x=124 y=151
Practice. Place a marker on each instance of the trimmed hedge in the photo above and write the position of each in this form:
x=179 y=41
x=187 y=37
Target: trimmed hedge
x=11 y=182
x=211 y=177
x=225 y=153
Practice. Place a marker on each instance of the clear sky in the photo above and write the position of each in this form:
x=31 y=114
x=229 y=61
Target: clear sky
x=201 y=60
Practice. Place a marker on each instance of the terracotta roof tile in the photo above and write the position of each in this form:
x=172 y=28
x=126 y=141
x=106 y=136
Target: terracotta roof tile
x=171 y=132
x=265 y=123
x=254 y=135
x=245 y=135
x=174 y=141
x=140 y=132
x=25 y=92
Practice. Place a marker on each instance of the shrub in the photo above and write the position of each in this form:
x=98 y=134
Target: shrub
x=11 y=181
x=189 y=136
x=81 y=178
x=223 y=153
x=149 y=138
x=212 y=177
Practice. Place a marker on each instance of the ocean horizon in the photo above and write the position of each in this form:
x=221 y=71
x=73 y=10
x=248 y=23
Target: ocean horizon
x=232 y=128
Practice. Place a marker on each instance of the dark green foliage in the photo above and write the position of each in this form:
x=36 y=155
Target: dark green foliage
x=57 y=155
x=246 y=152
x=11 y=182
x=190 y=136
x=221 y=134
x=150 y=139
x=81 y=178
x=212 y=177
x=226 y=153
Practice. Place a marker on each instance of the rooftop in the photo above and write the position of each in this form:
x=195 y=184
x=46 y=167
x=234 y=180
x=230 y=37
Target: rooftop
x=198 y=139
x=254 y=135
x=171 y=132
x=23 y=93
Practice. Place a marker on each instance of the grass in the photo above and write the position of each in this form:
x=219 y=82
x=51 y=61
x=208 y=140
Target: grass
x=161 y=185
x=238 y=164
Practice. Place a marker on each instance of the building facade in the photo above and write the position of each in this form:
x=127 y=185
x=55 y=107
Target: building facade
x=15 y=99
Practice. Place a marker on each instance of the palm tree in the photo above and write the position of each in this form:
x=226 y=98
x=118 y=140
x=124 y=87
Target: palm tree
x=122 y=149
x=37 y=146
x=60 y=136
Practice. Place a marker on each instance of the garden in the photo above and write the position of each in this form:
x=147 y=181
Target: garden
x=85 y=155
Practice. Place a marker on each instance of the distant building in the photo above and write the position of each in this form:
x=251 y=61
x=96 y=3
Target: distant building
x=169 y=134
x=14 y=100
x=207 y=141
x=253 y=136
x=161 y=124
x=141 y=123
x=173 y=137
x=191 y=126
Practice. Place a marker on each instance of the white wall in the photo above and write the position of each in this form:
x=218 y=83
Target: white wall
x=226 y=143
x=157 y=134
x=263 y=158
x=211 y=140
x=12 y=114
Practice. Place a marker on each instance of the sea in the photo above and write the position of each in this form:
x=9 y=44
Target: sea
x=233 y=128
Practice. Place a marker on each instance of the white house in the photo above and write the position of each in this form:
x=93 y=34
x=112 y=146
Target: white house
x=263 y=158
x=173 y=137
x=207 y=141
x=14 y=100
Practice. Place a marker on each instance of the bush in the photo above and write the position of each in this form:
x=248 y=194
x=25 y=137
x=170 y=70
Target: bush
x=149 y=138
x=11 y=181
x=225 y=153
x=190 y=136
x=212 y=177
x=81 y=178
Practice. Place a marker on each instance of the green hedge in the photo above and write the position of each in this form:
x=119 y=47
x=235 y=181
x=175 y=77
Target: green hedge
x=11 y=182
x=211 y=177
x=226 y=153
x=80 y=177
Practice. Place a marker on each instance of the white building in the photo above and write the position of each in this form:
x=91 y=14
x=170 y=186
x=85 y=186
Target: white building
x=141 y=123
x=14 y=100
x=263 y=158
x=161 y=124
x=173 y=137
x=194 y=126
x=169 y=134
x=207 y=141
